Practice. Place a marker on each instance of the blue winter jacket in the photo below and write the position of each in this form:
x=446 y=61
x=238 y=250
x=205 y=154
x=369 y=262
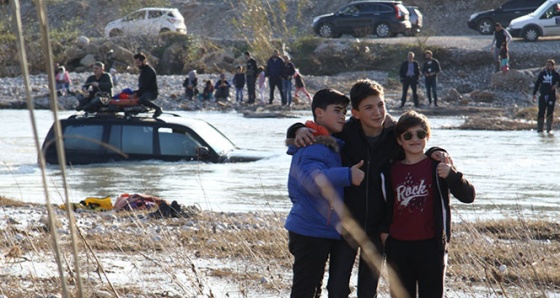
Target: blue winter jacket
x=312 y=213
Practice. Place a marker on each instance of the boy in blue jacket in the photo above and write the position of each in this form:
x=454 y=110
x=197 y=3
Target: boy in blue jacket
x=315 y=186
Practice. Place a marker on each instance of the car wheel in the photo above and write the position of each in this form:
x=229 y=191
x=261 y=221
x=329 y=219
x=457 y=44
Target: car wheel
x=164 y=30
x=485 y=26
x=326 y=30
x=115 y=32
x=531 y=33
x=383 y=30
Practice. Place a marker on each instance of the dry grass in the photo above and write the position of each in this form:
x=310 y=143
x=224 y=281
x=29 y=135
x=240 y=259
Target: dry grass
x=249 y=251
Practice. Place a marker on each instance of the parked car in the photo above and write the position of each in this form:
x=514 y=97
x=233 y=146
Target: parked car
x=484 y=21
x=544 y=21
x=416 y=20
x=149 y=21
x=100 y=139
x=384 y=19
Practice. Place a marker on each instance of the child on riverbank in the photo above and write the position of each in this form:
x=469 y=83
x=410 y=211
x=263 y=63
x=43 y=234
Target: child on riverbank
x=300 y=86
x=416 y=226
x=504 y=57
x=315 y=171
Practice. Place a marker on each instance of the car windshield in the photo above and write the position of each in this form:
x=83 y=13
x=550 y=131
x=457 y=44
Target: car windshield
x=542 y=9
x=220 y=143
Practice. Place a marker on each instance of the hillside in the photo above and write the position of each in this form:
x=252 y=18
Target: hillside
x=213 y=18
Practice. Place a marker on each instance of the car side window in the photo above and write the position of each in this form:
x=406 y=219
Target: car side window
x=137 y=139
x=350 y=10
x=154 y=14
x=176 y=143
x=136 y=16
x=84 y=138
x=553 y=11
x=383 y=8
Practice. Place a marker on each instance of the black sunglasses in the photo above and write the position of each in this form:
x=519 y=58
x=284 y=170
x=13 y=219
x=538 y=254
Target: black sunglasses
x=421 y=134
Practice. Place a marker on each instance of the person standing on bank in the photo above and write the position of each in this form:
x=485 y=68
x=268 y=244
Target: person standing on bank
x=287 y=75
x=409 y=73
x=251 y=74
x=547 y=81
x=274 y=70
x=430 y=69
x=501 y=35
x=147 y=84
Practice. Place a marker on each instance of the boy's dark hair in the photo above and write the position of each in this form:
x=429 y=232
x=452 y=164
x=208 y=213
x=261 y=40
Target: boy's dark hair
x=363 y=89
x=140 y=56
x=327 y=97
x=410 y=119
x=99 y=64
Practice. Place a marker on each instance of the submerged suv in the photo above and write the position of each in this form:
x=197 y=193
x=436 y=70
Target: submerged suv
x=105 y=138
x=382 y=18
x=148 y=21
x=484 y=21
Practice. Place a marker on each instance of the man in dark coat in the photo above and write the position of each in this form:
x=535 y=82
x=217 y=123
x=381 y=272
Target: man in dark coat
x=147 y=84
x=409 y=73
x=251 y=76
x=274 y=70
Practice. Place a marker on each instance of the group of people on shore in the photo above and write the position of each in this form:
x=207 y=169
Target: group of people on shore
x=279 y=72
x=370 y=173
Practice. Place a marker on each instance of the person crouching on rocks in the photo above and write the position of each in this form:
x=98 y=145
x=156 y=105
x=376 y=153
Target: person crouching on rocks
x=96 y=85
x=147 y=84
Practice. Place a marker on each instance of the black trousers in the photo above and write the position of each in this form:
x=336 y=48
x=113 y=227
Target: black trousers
x=251 y=83
x=341 y=263
x=413 y=83
x=310 y=256
x=419 y=263
x=276 y=82
x=146 y=100
x=546 y=107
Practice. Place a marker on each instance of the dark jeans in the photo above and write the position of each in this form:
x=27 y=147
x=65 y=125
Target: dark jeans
x=341 y=263
x=276 y=82
x=251 y=84
x=546 y=106
x=431 y=87
x=146 y=100
x=413 y=83
x=418 y=262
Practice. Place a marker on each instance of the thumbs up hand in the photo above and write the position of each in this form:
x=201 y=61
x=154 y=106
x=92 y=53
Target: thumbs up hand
x=357 y=174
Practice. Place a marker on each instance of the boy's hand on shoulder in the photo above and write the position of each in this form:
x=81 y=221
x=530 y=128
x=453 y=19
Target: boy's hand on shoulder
x=304 y=137
x=443 y=169
x=357 y=174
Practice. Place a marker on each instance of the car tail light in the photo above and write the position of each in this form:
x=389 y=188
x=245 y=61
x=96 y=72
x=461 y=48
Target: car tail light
x=400 y=13
x=172 y=20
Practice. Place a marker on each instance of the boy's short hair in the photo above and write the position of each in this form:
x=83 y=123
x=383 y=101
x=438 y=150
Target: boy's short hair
x=410 y=119
x=363 y=89
x=99 y=64
x=326 y=97
x=140 y=56
x=551 y=61
x=428 y=52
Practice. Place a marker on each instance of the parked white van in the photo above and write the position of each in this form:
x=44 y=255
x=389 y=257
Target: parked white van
x=544 y=21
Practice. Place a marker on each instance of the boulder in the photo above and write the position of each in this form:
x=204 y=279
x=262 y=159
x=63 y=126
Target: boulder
x=452 y=95
x=88 y=60
x=172 y=60
x=482 y=96
x=512 y=80
x=82 y=41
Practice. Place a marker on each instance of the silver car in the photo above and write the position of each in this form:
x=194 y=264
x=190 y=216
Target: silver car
x=148 y=21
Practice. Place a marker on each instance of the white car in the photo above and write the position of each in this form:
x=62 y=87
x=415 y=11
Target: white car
x=544 y=21
x=148 y=21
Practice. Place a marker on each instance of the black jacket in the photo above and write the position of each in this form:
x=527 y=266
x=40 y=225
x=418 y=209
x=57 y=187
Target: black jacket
x=252 y=70
x=147 y=81
x=404 y=69
x=454 y=183
x=105 y=85
x=431 y=67
x=545 y=81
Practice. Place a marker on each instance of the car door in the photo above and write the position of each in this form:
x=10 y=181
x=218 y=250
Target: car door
x=131 y=141
x=178 y=144
x=135 y=23
x=83 y=143
x=155 y=21
x=347 y=18
x=550 y=20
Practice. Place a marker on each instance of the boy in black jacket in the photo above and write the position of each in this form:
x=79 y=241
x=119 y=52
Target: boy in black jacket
x=416 y=225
